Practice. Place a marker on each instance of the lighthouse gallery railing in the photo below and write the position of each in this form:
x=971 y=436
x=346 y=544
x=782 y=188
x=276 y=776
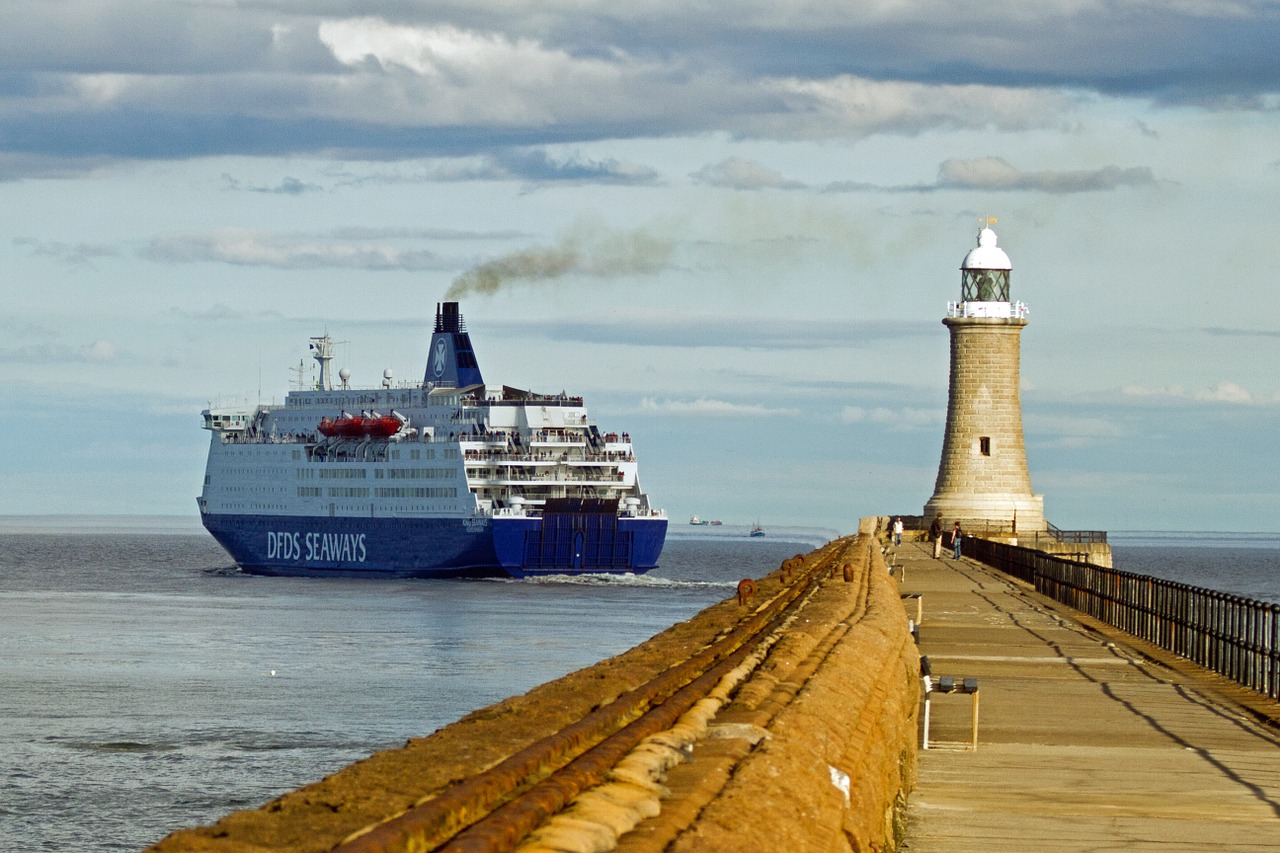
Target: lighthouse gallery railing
x=1234 y=636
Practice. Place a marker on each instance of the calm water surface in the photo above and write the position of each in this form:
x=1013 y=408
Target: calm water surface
x=1245 y=564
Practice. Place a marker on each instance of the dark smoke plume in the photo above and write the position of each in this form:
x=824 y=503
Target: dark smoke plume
x=586 y=250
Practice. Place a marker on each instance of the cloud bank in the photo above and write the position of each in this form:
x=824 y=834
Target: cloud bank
x=91 y=81
x=982 y=173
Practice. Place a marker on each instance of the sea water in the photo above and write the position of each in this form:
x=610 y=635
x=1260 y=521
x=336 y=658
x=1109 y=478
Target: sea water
x=1244 y=564
x=147 y=685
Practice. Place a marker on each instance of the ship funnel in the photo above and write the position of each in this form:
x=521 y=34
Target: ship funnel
x=451 y=361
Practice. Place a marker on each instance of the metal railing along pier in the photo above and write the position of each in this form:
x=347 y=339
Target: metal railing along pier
x=1234 y=636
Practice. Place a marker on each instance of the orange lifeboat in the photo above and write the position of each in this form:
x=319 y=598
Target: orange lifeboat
x=349 y=426
x=382 y=426
x=328 y=427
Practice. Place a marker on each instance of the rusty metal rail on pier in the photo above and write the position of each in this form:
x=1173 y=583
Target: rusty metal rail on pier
x=495 y=809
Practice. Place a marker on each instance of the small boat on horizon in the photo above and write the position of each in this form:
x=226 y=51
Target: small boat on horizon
x=756 y=530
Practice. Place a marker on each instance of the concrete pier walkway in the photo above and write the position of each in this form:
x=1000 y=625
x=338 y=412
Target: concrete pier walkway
x=1089 y=740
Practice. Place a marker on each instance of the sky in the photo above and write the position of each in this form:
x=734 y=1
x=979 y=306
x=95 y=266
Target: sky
x=733 y=227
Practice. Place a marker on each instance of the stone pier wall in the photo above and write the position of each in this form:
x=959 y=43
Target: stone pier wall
x=840 y=760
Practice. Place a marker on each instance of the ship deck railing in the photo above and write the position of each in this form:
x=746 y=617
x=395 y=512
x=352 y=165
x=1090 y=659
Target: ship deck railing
x=471 y=401
x=620 y=480
x=500 y=457
x=535 y=511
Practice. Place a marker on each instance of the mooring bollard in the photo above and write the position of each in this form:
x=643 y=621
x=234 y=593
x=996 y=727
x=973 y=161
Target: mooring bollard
x=791 y=566
x=746 y=591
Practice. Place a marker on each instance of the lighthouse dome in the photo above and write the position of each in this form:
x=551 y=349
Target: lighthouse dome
x=987 y=255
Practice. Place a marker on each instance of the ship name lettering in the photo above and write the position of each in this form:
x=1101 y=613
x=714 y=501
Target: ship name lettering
x=334 y=547
x=282 y=546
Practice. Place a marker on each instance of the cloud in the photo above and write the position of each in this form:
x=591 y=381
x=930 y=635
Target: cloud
x=897 y=419
x=997 y=174
x=445 y=75
x=1224 y=391
x=707 y=407
x=243 y=247
x=741 y=174
x=87 y=81
x=586 y=250
x=1223 y=331
x=73 y=254
x=287 y=186
x=441 y=50
x=360 y=232
x=101 y=350
x=853 y=107
x=219 y=312
x=373 y=89
x=536 y=165
x=45 y=165
x=1145 y=129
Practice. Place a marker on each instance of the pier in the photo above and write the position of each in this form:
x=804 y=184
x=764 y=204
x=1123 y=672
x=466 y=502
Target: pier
x=790 y=717
x=1089 y=739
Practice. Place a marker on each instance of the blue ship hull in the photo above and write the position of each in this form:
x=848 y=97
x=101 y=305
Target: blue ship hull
x=355 y=547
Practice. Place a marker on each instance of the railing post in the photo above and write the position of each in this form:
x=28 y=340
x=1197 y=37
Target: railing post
x=1274 y=653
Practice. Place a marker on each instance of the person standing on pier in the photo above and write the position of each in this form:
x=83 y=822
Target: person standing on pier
x=935 y=536
x=956 y=535
x=897 y=531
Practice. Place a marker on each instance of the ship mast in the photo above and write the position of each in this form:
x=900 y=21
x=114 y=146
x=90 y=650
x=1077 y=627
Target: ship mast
x=322 y=351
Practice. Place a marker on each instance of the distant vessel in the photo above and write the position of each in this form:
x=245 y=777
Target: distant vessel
x=693 y=519
x=756 y=530
x=447 y=477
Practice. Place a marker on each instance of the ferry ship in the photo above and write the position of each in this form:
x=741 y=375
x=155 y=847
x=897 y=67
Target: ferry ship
x=449 y=477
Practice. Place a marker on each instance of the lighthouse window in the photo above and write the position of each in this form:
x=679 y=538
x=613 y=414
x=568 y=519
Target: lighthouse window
x=986 y=286
x=984 y=445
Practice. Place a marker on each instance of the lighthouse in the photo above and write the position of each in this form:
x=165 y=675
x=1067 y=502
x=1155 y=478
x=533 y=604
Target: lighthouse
x=982 y=479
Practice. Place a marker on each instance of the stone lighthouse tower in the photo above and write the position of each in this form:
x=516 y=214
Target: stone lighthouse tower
x=982 y=479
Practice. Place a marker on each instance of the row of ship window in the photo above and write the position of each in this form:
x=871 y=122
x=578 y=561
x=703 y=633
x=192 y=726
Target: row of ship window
x=380 y=492
x=378 y=473
x=253 y=473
